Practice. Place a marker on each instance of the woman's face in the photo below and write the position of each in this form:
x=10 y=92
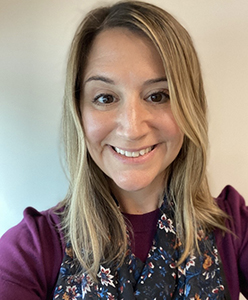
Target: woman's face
x=130 y=131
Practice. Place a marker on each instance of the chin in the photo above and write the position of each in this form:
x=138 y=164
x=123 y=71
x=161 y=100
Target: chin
x=133 y=185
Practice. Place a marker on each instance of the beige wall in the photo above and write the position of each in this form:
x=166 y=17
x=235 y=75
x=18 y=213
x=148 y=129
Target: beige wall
x=34 y=40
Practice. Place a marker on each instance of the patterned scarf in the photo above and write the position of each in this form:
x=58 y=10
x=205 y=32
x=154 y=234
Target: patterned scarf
x=199 y=277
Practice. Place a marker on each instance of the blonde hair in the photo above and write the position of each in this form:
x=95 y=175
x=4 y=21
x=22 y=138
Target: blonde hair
x=92 y=221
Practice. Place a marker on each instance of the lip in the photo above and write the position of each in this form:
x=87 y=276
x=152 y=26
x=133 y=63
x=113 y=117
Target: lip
x=134 y=160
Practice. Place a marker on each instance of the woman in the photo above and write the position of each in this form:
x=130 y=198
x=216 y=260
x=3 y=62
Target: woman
x=138 y=221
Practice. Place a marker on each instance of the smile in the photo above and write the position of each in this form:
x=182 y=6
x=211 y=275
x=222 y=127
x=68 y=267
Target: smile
x=133 y=153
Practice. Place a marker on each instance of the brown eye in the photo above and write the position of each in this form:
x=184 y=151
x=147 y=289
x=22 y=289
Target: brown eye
x=104 y=99
x=159 y=97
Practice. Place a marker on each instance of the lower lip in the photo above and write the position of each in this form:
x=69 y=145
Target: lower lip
x=134 y=160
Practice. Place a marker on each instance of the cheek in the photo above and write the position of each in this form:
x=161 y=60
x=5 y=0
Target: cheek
x=170 y=128
x=176 y=132
x=95 y=127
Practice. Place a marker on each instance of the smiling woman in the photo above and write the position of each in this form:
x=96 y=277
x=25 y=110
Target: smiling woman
x=138 y=221
x=129 y=127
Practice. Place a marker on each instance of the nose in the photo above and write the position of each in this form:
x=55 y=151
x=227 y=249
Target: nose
x=133 y=119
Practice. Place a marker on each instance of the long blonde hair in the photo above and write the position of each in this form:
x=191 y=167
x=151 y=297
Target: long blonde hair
x=91 y=218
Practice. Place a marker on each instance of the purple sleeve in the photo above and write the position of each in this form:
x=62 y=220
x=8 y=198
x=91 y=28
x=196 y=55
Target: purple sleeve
x=30 y=257
x=234 y=249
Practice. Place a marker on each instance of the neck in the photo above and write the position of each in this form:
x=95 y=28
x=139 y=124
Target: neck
x=138 y=202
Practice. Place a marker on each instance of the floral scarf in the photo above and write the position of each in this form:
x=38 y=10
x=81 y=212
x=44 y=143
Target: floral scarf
x=199 y=277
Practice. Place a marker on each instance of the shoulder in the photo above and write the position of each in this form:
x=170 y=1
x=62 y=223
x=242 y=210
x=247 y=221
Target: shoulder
x=230 y=199
x=233 y=204
x=233 y=247
x=41 y=224
x=31 y=254
x=35 y=229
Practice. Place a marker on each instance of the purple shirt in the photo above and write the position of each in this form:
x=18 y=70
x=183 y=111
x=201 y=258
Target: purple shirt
x=31 y=252
x=143 y=229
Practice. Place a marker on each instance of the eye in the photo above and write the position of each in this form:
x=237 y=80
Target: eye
x=104 y=99
x=159 y=97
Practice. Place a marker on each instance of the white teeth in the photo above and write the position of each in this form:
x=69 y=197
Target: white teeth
x=133 y=154
x=128 y=154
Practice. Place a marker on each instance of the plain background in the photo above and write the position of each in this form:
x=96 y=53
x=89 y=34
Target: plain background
x=34 y=40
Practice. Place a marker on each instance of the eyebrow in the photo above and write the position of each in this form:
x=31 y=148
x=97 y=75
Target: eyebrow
x=155 y=80
x=100 y=78
x=110 y=81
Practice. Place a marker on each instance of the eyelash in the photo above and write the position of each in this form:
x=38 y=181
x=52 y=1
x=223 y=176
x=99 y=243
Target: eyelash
x=96 y=99
x=164 y=93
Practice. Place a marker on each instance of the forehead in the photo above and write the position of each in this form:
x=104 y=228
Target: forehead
x=123 y=49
